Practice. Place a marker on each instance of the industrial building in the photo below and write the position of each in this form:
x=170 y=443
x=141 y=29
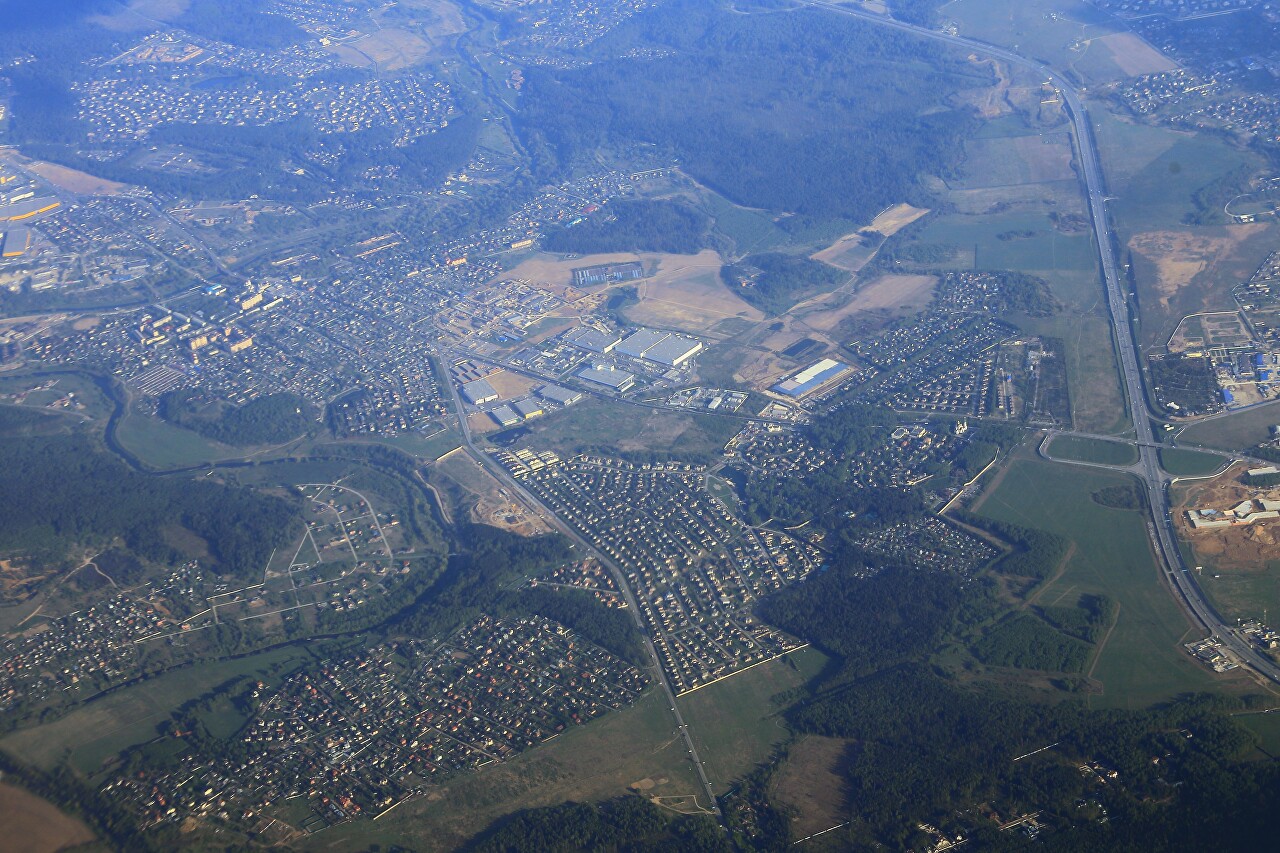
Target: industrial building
x=591 y=340
x=660 y=347
x=557 y=394
x=505 y=415
x=607 y=273
x=16 y=242
x=22 y=209
x=528 y=408
x=812 y=378
x=607 y=375
x=479 y=392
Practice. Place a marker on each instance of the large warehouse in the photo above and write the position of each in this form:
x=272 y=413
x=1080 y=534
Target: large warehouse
x=606 y=374
x=812 y=377
x=660 y=347
x=479 y=392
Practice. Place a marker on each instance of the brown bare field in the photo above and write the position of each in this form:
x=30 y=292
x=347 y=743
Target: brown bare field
x=891 y=221
x=1179 y=257
x=74 y=180
x=509 y=385
x=849 y=253
x=1240 y=549
x=29 y=824
x=809 y=782
x=480 y=423
x=891 y=292
x=687 y=293
x=1134 y=56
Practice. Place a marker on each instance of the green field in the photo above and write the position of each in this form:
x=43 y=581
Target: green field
x=164 y=446
x=100 y=730
x=1092 y=450
x=1043 y=248
x=1140 y=661
x=1266 y=727
x=593 y=762
x=733 y=722
x=1238 y=431
x=1189 y=463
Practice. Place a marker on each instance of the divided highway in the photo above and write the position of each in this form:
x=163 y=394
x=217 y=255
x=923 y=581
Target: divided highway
x=1156 y=481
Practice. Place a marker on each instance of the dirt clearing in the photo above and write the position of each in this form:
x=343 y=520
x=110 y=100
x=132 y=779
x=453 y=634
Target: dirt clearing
x=73 y=180
x=852 y=251
x=687 y=293
x=891 y=292
x=1179 y=257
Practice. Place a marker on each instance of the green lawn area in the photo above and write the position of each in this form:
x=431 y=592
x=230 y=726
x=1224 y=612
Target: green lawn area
x=593 y=762
x=1028 y=25
x=1140 y=661
x=733 y=722
x=1189 y=463
x=1093 y=450
x=99 y=730
x=1238 y=431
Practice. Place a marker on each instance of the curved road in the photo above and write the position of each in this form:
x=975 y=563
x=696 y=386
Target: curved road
x=1148 y=467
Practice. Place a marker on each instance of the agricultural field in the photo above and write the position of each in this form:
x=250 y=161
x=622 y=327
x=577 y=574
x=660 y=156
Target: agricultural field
x=163 y=446
x=1139 y=660
x=810 y=783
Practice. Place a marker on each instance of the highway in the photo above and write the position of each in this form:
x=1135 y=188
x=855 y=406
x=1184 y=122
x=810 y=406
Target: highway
x=1156 y=481
x=619 y=578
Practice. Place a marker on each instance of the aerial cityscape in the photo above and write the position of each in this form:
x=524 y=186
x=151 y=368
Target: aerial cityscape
x=629 y=425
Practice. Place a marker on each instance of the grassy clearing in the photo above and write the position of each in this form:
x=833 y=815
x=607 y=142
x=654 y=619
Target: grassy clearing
x=1189 y=463
x=1029 y=25
x=1140 y=661
x=594 y=762
x=161 y=445
x=732 y=722
x=1238 y=431
x=1097 y=401
x=1242 y=593
x=1266 y=727
x=598 y=423
x=1092 y=450
x=100 y=730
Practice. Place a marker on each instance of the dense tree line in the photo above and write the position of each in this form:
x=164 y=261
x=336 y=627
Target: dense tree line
x=1025 y=642
x=629 y=824
x=923 y=747
x=774 y=282
x=635 y=226
x=240 y=23
x=68 y=495
x=272 y=419
x=730 y=100
x=609 y=628
x=1036 y=553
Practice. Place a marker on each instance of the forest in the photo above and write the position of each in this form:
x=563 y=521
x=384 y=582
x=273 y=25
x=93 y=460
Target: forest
x=774 y=282
x=86 y=499
x=630 y=824
x=635 y=226
x=272 y=419
x=804 y=113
